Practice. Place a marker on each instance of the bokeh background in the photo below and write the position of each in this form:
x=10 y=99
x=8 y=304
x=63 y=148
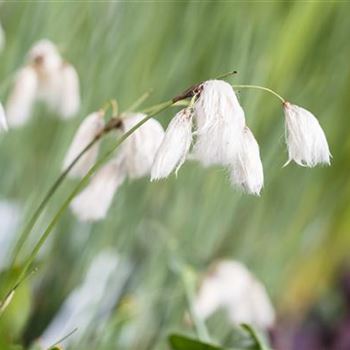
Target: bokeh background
x=294 y=237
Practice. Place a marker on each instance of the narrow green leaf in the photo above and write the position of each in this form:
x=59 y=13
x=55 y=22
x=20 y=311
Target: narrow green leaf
x=180 y=342
x=260 y=342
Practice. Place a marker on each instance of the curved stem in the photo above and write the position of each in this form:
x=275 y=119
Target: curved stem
x=258 y=87
x=80 y=185
x=28 y=228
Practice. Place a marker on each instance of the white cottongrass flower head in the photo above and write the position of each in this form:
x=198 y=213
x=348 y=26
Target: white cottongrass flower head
x=2 y=38
x=247 y=171
x=3 y=121
x=48 y=78
x=89 y=129
x=176 y=144
x=134 y=160
x=220 y=122
x=140 y=148
x=231 y=286
x=93 y=202
x=306 y=142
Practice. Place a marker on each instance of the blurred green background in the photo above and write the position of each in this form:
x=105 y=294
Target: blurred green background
x=294 y=237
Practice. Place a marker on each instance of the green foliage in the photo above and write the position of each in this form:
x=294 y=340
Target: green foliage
x=180 y=342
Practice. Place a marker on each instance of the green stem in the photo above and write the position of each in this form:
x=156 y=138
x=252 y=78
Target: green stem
x=258 y=87
x=28 y=228
x=199 y=324
x=139 y=101
x=80 y=185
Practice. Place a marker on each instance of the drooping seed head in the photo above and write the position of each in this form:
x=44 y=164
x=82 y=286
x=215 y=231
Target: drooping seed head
x=176 y=143
x=306 y=142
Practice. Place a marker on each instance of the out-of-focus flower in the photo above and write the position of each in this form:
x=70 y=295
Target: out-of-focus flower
x=3 y=122
x=21 y=100
x=176 y=144
x=220 y=122
x=247 y=172
x=47 y=78
x=140 y=147
x=230 y=286
x=134 y=159
x=91 y=303
x=2 y=38
x=91 y=126
x=94 y=201
x=306 y=141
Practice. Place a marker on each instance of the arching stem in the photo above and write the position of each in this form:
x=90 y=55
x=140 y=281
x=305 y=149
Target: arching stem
x=258 y=87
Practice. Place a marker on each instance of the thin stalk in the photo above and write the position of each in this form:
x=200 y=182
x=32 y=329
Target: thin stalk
x=199 y=324
x=80 y=185
x=258 y=87
x=28 y=228
x=139 y=101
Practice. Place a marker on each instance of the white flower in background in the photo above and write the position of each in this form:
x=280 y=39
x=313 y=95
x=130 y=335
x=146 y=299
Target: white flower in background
x=2 y=38
x=247 y=172
x=140 y=148
x=176 y=144
x=220 y=122
x=21 y=100
x=91 y=126
x=94 y=201
x=46 y=78
x=230 y=286
x=91 y=303
x=3 y=122
x=306 y=141
x=134 y=159
x=69 y=98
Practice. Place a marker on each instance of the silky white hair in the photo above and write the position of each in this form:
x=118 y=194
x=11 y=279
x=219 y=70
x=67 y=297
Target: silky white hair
x=220 y=121
x=247 y=172
x=306 y=142
x=176 y=144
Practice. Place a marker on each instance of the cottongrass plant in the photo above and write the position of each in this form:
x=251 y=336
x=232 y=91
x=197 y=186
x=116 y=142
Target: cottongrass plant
x=211 y=129
x=45 y=77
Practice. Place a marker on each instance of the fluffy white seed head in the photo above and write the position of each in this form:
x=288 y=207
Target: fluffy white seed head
x=44 y=56
x=140 y=148
x=247 y=171
x=3 y=122
x=93 y=202
x=230 y=286
x=2 y=38
x=175 y=146
x=306 y=141
x=220 y=121
x=70 y=92
x=91 y=126
x=20 y=102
